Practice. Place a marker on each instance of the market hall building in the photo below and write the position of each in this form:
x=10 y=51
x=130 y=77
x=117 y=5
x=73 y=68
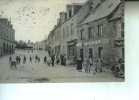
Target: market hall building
x=101 y=33
x=7 y=37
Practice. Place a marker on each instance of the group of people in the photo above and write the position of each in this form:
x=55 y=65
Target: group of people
x=52 y=60
x=97 y=64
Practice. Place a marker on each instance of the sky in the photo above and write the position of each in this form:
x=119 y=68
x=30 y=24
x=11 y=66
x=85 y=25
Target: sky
x=33 y=19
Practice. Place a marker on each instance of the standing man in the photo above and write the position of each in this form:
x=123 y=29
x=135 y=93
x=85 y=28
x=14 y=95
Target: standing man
x=36 y=58
x=53 y=60
x=19 y=59
x=24 y=60
x=30 y=59
x=45 y=59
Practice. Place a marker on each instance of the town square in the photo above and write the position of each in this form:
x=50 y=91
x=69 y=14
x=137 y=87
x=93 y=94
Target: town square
x=80 y=42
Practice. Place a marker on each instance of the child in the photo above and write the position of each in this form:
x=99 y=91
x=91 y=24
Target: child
x=87 y=67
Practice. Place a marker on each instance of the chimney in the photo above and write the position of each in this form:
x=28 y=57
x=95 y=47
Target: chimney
x=69 y=11
x=62 y=17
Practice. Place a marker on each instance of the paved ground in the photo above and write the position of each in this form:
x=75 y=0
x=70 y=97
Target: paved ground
x=39 y=72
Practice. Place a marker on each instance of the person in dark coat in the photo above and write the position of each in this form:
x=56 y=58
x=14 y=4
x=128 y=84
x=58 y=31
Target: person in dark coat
x=53 y=60
x=61 y=59
x=30 y=59
x=79 y=64
x=19 y=59
x=45 y=59
x=24 y=60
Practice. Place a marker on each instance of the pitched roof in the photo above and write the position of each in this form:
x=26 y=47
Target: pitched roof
x=102 y=10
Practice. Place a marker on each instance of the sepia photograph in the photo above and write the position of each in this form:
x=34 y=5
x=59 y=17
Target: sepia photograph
x=62 y=41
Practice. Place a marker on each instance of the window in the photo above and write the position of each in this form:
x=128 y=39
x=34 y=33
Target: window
x=81 y=34
x=63 y=33
x=69 y=13
x=90 y=32
x=90 y=52
x=100 y=28
x=67 y=30
x=100 y=52
x=72 y=28
x=81 y=54
x=120 y=30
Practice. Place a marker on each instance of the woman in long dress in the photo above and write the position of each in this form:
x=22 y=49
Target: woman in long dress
x=79 y=64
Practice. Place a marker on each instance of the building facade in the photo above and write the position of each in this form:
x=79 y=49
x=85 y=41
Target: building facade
x=93 y=29
x=7 y=37
x=67 y=30
x=39 y=45
x=102 y=36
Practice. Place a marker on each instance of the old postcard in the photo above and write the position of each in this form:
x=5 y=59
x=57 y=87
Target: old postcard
x=61 y=41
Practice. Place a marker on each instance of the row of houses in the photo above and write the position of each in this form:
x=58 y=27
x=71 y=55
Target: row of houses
x=7 y=37
x=92 y=29
x=42 y=45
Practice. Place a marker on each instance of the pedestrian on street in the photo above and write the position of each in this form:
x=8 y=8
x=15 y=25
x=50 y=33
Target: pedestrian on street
x=53 y=60
x=24 y=60
x=79 y=64
x=61 y=58
x=19 y=59
x=64 y=60
x=30 y=59
x=45 y=60
x=10 y=59
x=87 y=66
x=36 y=58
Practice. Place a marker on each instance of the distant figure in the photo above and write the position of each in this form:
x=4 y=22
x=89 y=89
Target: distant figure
x=88 y=66
x=61 y=58
x=10 y=59
x=79 y=64
x=24 y=60
x=36 y=58
x=30 y=59
x=64 y=60
x=19 y=59
x=53 y=60
x=45 y=60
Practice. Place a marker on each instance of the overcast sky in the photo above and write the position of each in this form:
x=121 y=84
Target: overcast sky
x=33 y=19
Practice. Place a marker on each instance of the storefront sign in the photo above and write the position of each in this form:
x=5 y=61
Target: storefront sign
x=119 y=43
x=93 y=42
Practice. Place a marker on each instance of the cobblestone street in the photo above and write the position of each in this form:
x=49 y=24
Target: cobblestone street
x=40 y=72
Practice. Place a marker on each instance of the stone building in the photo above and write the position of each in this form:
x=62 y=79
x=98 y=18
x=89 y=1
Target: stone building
x=7 y=37
x=68 y=21
x=101 y=33
x=39 y=45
